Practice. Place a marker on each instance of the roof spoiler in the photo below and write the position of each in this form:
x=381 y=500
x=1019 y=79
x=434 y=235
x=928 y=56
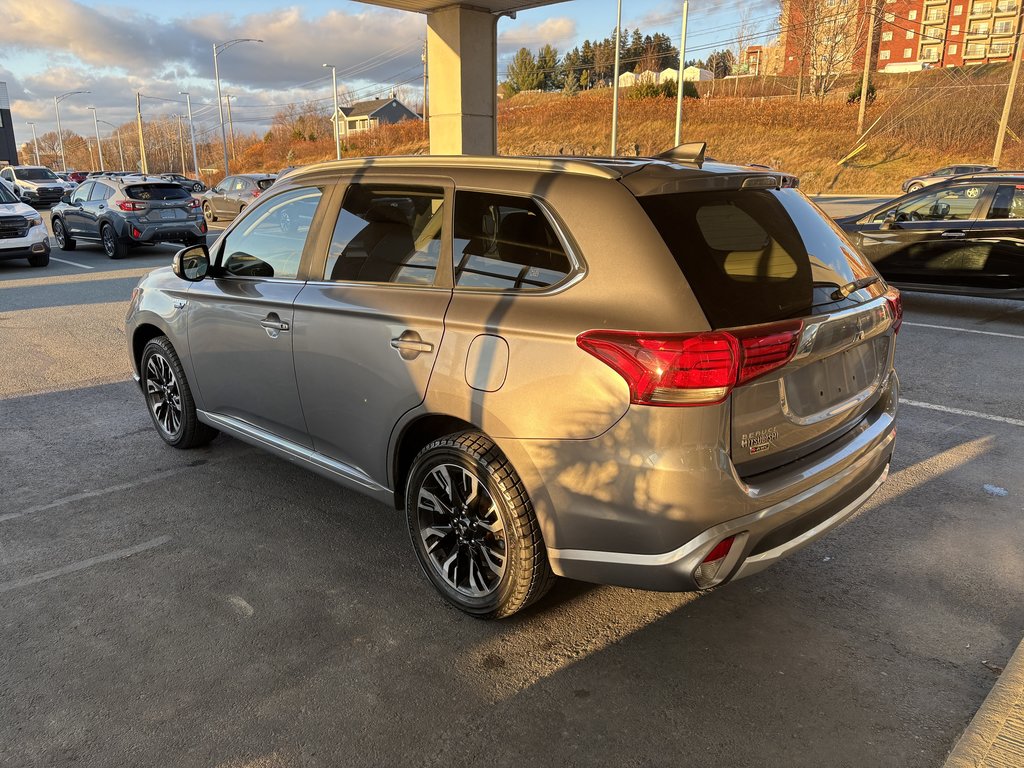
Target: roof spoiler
x=686 y=153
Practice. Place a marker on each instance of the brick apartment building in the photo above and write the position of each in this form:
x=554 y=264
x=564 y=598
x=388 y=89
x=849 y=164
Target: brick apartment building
x=912 y=34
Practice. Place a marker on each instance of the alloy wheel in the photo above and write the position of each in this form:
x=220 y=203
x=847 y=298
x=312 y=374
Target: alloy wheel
x=462 y=531
x=109 y=242
x=58 y=233
x=163 y=394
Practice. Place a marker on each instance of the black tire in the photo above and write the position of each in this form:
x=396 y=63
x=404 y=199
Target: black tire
x=113 y=246
x=39 y=260
x=465 y=531
x=208 y=212
x=60 y=234
x=168 y=397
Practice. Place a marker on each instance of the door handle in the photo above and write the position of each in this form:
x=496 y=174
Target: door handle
x=411 y=345
x=274 y=325
x=955 y=234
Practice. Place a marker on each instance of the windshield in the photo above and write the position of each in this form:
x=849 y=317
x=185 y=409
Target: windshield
x=755 y=256
x=36 y=174
x=6 y=196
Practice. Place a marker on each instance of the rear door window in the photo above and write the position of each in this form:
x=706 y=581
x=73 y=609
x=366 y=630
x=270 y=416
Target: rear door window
x=99 y=192
x=264 y=183
x=505 y=242
x=1008 y=202
x=755 y=256
x=156 y=192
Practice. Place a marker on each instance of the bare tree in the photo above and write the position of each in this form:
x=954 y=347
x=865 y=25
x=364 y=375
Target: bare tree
x=826 y=39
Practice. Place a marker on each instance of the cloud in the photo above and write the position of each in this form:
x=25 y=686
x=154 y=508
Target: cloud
x=558 y=31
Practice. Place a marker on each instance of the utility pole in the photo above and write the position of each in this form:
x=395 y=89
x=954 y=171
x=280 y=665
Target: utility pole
x=337 y=115
x=681 y=81
x=92 y=157
x=231 y=124
x=615 y=82
x=35 y=141
x=99 y=144
x=217 y=48
x=424 y=57
x=1008 y=104
x=866 y=78
x=181 y=144
x=143 y=165
x=191 y=130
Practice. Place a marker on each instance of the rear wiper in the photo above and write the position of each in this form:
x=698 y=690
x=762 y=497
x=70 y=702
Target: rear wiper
x=843 y=291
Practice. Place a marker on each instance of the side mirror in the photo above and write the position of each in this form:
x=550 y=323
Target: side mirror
x=191 y=263
x=66 y=199
x=889 y=222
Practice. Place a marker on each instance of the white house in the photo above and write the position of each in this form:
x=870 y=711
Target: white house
x=696 y=74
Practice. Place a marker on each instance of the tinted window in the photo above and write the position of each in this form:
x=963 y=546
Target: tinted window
x=946 y=204
x=754 y=256
x=1008 y=202
x=6 y=196
x=7 y=174
x=264 y=183
x=99 y=192
x=269 y=241
x=505 y=242
x=944 y=172
x=156 y=192
x=239 y=185
x=387 y=235
x=82 y=193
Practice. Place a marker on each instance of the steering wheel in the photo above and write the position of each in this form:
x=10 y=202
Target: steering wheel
x=902 y=216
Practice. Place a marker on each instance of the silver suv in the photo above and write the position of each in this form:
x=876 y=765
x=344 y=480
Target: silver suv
x=660 y=373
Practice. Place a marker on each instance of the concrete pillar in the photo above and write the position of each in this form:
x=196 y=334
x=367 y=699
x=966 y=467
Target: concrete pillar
x=462 y=54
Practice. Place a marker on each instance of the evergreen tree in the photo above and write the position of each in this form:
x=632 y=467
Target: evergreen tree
x=547 y=65
x=524 y=73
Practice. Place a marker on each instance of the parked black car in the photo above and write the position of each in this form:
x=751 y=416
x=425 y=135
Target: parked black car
x=964 y=236
x=233 y=194
x=189 y=185
x=126 y=211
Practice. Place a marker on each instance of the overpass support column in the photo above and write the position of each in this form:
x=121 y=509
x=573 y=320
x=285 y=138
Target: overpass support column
x=462 y=56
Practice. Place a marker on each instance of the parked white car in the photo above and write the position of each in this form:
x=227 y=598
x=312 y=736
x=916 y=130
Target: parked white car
x=23 y=234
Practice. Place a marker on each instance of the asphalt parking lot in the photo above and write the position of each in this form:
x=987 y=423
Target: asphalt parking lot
x=221 y=607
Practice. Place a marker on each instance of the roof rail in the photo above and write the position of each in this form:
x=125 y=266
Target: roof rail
x=686 y=153
x=581 y=166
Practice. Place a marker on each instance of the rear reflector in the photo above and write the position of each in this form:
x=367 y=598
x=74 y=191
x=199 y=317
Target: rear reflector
x=895 y=301
x=707 y=571
x=695 y=368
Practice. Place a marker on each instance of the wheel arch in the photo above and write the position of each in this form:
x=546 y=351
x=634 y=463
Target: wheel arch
x=141 y=336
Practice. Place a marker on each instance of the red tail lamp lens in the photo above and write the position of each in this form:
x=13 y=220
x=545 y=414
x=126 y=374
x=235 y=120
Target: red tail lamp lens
x=895 y=300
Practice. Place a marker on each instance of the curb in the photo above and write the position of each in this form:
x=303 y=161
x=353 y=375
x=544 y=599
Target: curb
x=995 y=737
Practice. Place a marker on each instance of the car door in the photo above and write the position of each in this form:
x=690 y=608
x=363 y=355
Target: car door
x=996 y=260
x=94 y=208
x=922 y=238
x=218 y=193
x=240 y=319
x=241 y=192
x=74 y=213
x=369 y=323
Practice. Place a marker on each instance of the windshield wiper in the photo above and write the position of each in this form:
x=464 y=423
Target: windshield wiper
x=843 y=291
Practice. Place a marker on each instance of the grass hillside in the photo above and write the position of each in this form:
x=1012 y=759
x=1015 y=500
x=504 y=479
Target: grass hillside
x=920 y=122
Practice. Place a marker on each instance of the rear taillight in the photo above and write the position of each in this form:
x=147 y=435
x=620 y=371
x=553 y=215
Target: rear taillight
x=707 y=572
x=895 y=301
x=695 y=368
x=130 y=205
x=194 y=203
x=256 y=192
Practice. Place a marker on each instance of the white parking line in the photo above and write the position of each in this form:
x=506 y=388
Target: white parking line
x=72 y=263
x=120 y=554
x=962 y=412
x=965 y=330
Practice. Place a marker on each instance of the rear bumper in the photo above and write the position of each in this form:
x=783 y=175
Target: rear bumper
x=175 y=231
x=691 y=509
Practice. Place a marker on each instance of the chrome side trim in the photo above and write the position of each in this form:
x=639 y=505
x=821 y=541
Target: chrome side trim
x=336 y=470
x=756 y=563
x=696 y=548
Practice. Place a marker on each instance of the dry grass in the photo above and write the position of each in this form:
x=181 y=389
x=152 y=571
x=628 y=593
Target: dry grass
x=923 y=121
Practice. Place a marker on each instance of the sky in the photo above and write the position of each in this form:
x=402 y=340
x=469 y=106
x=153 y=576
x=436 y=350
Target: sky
x=115 y=49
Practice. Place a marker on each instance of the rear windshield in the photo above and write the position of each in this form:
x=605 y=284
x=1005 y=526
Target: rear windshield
x=156 y=192
x=264 y=183
x=755 y=256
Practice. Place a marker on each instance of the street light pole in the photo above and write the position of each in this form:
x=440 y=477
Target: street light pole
x=231 y=123
x=615 y=83
x=217 y=49
x=99 y=145
x=143 y=165
x=191 y=131
x=181 y=144
x=35 y=141
x=337 y=119
x=682 y=80
x=120 y=147
x=60 y=138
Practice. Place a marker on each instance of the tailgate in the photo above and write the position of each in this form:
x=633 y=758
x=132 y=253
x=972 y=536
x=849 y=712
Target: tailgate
x=837 y=374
